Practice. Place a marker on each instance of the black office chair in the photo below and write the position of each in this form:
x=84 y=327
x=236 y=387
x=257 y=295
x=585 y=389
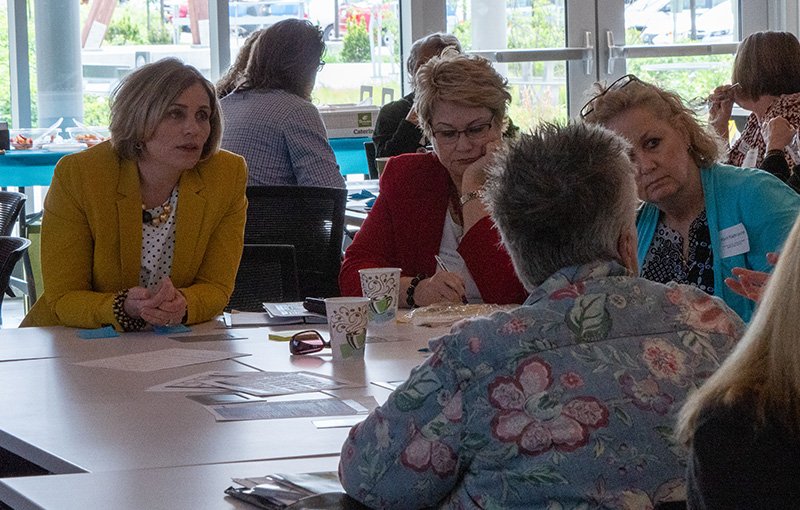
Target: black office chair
x=12 y=204
x=371 y=152
x=267 y=274
x=11 y=250
x=308 y=218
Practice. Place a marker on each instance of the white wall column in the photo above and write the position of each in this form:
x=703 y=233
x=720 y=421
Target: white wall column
x=19 y=66
x=58 y=60
x=418 y=18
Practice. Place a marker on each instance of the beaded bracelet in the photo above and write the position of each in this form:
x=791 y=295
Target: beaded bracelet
x=412 y=287
x=127 y=322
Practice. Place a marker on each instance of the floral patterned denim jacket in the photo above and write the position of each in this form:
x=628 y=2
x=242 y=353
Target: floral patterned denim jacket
x=567 y=402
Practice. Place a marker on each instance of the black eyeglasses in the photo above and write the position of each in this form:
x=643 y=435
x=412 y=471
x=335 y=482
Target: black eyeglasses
x=473 y=132
x=307 y=342
x=321 y=65
x=618 y=84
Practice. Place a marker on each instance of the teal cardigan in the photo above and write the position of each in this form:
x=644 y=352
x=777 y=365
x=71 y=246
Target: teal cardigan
x=764 y=205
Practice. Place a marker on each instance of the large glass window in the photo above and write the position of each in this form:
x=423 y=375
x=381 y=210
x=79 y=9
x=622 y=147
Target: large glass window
x=538 y=88
x=553 y=50
x=669 y=23
x=362 y=57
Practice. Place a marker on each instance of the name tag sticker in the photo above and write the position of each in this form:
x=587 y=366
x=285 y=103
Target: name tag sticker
x=734 y=241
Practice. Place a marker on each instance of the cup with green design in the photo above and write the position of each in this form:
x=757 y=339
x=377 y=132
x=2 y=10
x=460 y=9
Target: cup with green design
x=381 y=285
x=347 y=320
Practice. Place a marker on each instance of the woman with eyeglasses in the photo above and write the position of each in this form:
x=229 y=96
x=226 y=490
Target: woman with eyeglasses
x=269 y=117
x=430 y=204
x=700 y=219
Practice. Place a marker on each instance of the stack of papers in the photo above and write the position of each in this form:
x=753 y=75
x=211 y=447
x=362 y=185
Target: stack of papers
x=275 y=314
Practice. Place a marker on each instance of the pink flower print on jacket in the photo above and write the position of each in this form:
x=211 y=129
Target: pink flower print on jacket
x=571 y=291
x=664 y=360
x=423 y=454
x=646 y=394
x=534 y=419
x=701 y=311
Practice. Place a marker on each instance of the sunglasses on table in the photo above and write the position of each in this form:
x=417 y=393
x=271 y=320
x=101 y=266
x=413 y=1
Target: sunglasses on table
x=618 y=84
x=307 y=342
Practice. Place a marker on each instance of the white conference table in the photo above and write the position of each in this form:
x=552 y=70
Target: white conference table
x=195 y=487
x=69 y=418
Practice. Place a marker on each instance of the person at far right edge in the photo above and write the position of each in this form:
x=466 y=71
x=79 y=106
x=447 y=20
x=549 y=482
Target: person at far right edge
x=743 y=424
x=569 y=400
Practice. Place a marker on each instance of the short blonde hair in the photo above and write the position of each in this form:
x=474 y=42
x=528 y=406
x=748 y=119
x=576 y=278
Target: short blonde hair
x=468 y=80
x=767 y=63
x=705 y=146
x=140 y=102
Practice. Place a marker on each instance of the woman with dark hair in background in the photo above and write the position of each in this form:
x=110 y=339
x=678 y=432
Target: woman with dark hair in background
x=766 y=81
x=269 y=117
x=235 y=75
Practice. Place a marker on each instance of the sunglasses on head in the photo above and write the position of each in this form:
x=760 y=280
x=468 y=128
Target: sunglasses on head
x=618 y=84
x=307 y=342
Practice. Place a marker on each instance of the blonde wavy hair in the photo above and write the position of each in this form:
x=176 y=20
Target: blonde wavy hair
x=606 y=103
x=140 y=103
x=468 y=80
x=765 y=365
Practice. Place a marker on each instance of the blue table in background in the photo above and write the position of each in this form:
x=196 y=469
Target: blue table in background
x=350 y=155
x=27 y=168
x=35 y=168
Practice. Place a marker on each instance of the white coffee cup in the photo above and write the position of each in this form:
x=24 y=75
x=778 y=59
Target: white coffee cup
x=381 y=285
x=347 y=320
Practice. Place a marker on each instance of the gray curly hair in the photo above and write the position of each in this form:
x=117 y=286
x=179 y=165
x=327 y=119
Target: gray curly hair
x=560 y=196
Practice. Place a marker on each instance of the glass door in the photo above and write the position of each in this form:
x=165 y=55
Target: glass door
x=552 y=51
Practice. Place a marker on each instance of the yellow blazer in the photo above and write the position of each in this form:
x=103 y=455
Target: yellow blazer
x=92 y=237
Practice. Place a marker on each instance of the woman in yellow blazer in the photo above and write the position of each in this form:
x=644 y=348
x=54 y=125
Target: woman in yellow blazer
x=148 y=228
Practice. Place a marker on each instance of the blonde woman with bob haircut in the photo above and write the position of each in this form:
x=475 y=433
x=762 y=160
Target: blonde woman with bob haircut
x=146 y=229
x=430 y=204
x=700 y=219
x=743 y=424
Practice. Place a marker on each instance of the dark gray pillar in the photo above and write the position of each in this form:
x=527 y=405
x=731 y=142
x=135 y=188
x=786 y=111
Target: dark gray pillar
x=58 y=61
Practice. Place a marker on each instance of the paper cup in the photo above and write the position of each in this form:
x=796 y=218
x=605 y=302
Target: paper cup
x=347 y=320
x=381 y=285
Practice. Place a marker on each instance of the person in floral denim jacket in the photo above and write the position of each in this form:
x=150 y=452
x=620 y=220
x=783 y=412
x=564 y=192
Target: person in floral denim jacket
x=568 y=401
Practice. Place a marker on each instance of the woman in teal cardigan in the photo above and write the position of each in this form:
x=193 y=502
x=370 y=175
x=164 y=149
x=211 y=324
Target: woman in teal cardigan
x=700 y=219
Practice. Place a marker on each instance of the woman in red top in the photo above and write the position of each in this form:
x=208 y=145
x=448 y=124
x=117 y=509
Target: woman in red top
x=430 y=204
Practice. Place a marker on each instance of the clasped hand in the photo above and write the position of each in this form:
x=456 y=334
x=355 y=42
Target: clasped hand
x=165 y=307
